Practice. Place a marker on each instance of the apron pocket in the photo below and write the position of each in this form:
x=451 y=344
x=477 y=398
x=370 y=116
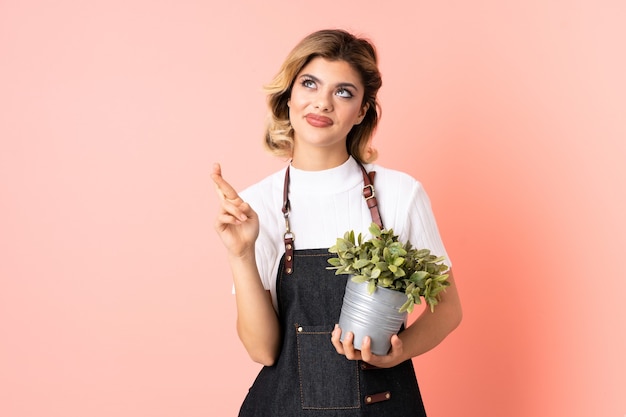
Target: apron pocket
x=327 y=379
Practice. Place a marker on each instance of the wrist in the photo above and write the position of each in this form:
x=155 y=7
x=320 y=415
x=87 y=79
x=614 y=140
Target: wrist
x=244 y=255
x=242 y=262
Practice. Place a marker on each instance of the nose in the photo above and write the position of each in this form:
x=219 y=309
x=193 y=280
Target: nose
x=323 y=101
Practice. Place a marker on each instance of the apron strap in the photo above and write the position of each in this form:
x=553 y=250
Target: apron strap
x=288 y=237
x=369 y=194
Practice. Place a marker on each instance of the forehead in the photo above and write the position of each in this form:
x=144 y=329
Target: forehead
x=336 y=71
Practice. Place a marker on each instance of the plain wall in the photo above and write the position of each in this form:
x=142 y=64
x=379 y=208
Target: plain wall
x=115 y=296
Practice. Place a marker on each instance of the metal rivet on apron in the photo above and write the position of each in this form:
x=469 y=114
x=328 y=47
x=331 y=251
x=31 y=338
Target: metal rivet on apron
x=300 y=328
x=288 y=246
x=368 y=399
x=288 y=258
x=289 y=270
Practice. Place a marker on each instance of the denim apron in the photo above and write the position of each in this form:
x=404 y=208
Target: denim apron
x=309 y=377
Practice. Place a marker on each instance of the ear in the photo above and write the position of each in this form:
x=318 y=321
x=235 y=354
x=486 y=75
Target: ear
x=362 y=113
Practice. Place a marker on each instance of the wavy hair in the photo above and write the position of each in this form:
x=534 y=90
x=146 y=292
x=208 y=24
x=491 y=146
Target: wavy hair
x=333 y=45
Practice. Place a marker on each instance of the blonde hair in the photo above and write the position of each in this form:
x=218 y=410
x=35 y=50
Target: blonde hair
x=333 y=45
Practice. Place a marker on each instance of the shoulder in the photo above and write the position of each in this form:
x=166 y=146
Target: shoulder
x=388 y=179
x=402 y=199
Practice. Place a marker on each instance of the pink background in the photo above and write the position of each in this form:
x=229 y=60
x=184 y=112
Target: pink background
x=114 y=291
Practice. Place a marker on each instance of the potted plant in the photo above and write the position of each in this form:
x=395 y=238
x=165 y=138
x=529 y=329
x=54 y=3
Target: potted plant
x=388 y=278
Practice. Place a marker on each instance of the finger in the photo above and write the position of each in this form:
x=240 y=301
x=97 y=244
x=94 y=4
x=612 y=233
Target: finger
x=335 y=337
x=223 y=187
x=217 y=169
x=215 y=174
x=396 y=344
x=224 y=220
x=348 y=347
x=388 y=360
x=366 y=349
x=241 y=211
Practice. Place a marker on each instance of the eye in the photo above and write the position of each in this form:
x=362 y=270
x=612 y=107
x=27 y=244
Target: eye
x=308 y=83
x=344 y=92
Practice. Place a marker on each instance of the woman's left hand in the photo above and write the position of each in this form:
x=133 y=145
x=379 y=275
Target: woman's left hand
x=394 y=357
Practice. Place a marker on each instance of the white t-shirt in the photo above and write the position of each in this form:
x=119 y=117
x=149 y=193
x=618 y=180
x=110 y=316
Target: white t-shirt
x=325 y=204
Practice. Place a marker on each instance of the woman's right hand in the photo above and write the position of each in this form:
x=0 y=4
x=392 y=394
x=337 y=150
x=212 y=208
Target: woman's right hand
x=236 y=224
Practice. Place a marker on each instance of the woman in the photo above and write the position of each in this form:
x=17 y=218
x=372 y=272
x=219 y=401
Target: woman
x=324 y=111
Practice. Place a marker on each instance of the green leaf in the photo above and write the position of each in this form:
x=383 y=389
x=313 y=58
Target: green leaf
x=387 y=255
x=374 y=230
x=334 y=261
x=361 y=263
x=371 y=286
x=343 y=270
x=385 y=282
x=382 y=266
x=359 y=279
x=435 y=291
x=418 y=276
x=442 y=278
x=377 y=243
x=407 y=306
x=399 y=273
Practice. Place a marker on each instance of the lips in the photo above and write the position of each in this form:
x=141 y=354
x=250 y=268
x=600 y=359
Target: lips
x=318 y=121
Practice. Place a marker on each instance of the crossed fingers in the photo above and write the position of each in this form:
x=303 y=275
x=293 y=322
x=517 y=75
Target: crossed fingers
x=233 y=207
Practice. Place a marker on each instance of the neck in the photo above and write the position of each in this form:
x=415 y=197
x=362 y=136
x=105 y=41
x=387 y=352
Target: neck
x=318 y=160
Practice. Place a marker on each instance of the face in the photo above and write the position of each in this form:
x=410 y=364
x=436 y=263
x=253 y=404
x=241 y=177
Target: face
x=326 y=102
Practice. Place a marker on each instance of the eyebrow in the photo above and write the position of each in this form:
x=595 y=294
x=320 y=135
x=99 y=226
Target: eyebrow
x=317 y=80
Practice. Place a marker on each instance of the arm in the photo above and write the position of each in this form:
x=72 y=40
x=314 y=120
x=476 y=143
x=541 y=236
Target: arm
x=238 y=227
x=431 y=328
x=257 y=324
x=426 y=332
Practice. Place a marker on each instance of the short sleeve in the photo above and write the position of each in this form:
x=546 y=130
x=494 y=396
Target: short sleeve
x=422 y=230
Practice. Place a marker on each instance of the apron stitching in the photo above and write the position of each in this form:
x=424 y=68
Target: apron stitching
x=305 y=407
